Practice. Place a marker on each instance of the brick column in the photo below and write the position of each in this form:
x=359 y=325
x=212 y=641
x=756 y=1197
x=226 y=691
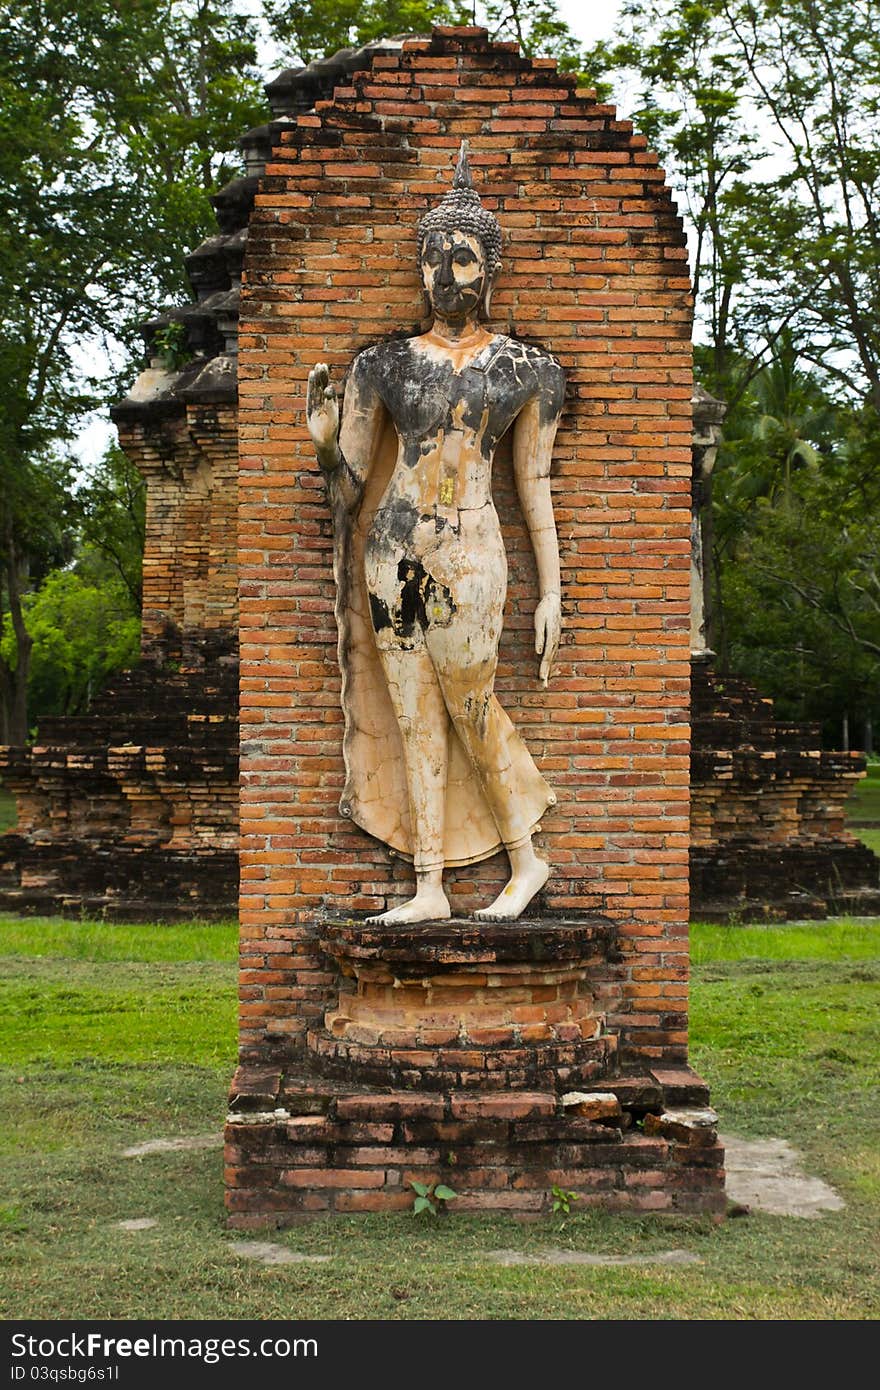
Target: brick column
x=595 y=270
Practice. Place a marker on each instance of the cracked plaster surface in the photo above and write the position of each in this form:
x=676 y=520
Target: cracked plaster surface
x=184 y=1144
x=768 y=1175
x=267 y=1253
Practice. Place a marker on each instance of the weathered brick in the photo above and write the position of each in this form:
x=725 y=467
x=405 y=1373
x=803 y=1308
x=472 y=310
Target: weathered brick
x=514 y=1106
x=316 y=1178
x=392 y=1106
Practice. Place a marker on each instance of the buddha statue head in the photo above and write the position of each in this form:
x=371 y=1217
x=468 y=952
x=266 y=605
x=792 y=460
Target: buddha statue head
x=459 y=249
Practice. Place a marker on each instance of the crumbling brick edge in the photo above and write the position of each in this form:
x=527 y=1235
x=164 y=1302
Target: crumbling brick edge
x=297 y=1146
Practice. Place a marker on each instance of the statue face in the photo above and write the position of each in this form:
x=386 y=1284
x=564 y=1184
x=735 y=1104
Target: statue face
x=454 y=273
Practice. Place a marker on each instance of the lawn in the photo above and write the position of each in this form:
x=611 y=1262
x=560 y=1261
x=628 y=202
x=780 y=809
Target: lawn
x=864 y=800
x=863 y=809
x=113 y=1035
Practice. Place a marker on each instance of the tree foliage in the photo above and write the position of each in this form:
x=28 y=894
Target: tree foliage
x=765 y=111
x=111 y=507
x=797 y=545
x=305 y=32
x=82 y=628
x=536 y=26
x=765 y=114
x=813 y=72
x=117 y=119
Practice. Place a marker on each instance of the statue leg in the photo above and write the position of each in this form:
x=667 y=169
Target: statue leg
x=528 y=874
x=424 y=728
x=504 y=767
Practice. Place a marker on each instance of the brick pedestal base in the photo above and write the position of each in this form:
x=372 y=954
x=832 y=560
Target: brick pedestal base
x=295 y=1146
x=463 y=1004
x=473 y=1052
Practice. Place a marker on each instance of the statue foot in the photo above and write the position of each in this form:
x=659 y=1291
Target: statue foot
x=515 y=897
x=428 y=905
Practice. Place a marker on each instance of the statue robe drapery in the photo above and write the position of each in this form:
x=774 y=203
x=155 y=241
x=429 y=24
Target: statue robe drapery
x=375 y=794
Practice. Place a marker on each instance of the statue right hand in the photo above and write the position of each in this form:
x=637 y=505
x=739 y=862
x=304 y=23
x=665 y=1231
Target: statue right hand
x=322 y=414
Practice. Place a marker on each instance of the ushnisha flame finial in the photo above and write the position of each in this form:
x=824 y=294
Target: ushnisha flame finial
x=461 y=210
x=462 y=177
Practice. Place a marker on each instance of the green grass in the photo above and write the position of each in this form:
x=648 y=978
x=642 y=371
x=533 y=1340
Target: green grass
x=836 y=940
x=114 y=1050
x=57 y=938
x=8 y=810
x=792 y=1048
x=864 y=800
x=60 y=1012
x=85 y=990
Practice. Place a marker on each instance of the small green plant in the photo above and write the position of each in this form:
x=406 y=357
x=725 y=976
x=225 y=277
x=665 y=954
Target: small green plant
x=170 y=344
x=563 y=1201
x=431 y=1197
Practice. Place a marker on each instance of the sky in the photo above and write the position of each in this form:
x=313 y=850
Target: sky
x=588 y=20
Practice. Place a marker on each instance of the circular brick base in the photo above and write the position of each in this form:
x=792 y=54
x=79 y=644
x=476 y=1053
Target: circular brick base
x=488 y=1003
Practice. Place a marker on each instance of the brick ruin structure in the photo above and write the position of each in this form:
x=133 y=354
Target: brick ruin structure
x=132 y=809
x=502 y=1058
x=768 y=827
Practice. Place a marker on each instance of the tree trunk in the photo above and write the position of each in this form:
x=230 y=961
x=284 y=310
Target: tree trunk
x=6 y=689
x=16 y=707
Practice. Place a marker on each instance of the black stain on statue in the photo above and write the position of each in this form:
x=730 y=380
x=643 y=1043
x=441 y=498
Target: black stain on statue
x=379 y=613
x=399 y=520
x=423 y=602
x=411 y=608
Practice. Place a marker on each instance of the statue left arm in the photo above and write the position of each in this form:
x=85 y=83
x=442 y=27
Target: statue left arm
x=534 y=433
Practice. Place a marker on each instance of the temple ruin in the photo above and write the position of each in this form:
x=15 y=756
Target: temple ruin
x=132 y=809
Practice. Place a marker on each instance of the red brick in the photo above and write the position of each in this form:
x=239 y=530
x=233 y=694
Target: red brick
x=316 y=1178
x=400 y=1105
x=519 y=1105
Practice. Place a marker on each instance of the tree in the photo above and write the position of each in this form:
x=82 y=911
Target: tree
x=783 y=423
x=682 y=82
x=82 y=629
x=765 y=112
x=537 y=27
x=803 y=603
x=306 y=32
x=814 y=73
x=36 y=534
x=797 y=531
x=111 y=506
x=116 y=119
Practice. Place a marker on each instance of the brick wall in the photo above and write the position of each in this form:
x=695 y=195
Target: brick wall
x=189 y=461
x=594 y=269
x=768 y=820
